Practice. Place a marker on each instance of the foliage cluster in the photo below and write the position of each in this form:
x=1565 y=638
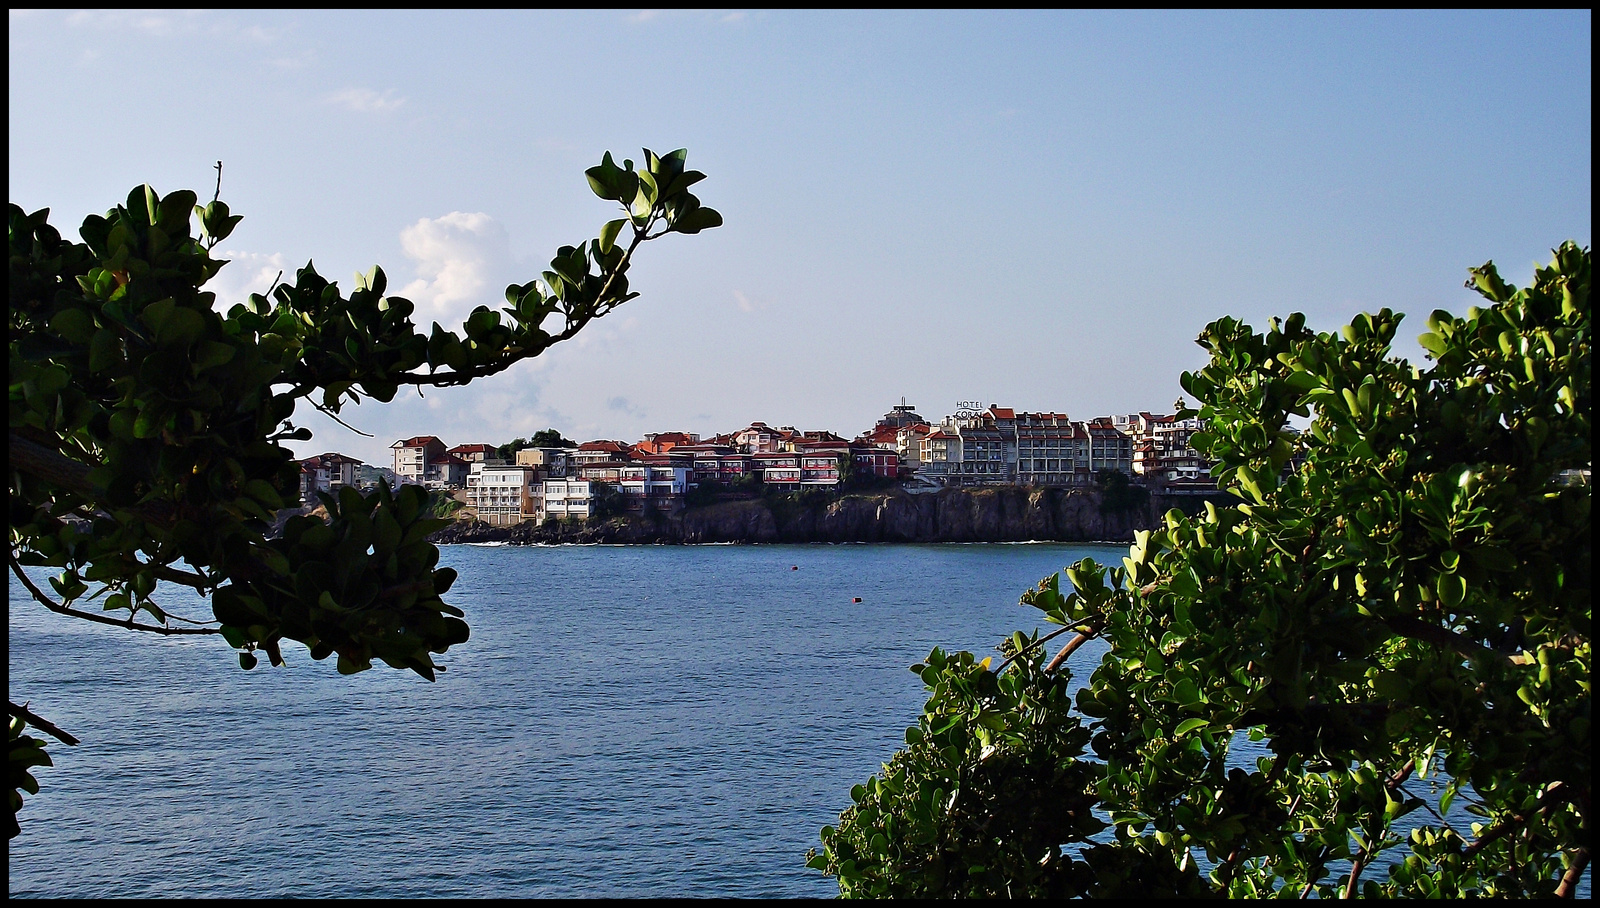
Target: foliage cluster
x=147 y=428
x=1118 y=494
x=544 y=438
x=608 y=501
x=1407 y=607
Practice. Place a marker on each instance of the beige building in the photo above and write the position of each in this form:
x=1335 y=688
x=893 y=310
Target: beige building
x=504 y=494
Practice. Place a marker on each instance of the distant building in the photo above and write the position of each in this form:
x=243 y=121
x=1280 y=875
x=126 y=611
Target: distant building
x=567 y=498
x=900 y=417
x=662 y=442
x=1000 y=445
x=882 y=436
x=313 y=479
x=777 y=468
x=552 y=462
x=908 y=444
x=940 y=451
x=660 y=485
x=477 y=453
x=598 y=451
x=1109 y=448
x=368 y=476
x=1047 y=447
x=328 y=472
x=759 y=438
x=414 y=456
x=1164 y=453
x=873 y=460
x=504 y=494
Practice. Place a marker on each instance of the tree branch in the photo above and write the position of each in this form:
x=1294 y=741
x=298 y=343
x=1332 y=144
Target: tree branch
x=514 y=355
x=184 y=577
x=1417 y=629
x=1231 y=864
x=1088 y=633
x=42 y=462
x=1368 y=850
x=1512 y=823
x=335 y=417
x=1042 y=640
x=43 y=725
x=1569 y=880
x=128 y=622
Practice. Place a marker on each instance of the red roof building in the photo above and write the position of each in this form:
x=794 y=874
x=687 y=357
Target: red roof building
x=413 y=455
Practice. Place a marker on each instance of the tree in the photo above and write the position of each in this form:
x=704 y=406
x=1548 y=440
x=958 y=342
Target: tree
x=147 y=429
x=550 y=438
x=1118 y=494
x=608 y=501
x=544 y=438
x=1403 y=620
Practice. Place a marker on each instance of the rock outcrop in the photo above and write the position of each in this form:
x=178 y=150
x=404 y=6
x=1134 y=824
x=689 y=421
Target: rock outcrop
x=996 y=514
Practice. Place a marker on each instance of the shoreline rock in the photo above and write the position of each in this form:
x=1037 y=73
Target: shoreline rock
x=989 y=514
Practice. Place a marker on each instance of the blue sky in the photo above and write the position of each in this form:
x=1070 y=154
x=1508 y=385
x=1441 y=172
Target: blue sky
x=1036 y=209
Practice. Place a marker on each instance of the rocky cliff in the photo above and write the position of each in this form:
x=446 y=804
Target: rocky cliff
x=1000 y=514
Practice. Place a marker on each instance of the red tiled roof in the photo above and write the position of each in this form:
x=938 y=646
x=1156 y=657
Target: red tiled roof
x=416 y=442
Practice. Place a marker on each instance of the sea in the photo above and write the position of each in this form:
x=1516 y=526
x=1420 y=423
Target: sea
x=625 y=721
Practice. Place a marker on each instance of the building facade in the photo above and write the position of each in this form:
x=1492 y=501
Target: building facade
x=567 y=499
x=1003 y=446
x=412 y=457
x=504 y=495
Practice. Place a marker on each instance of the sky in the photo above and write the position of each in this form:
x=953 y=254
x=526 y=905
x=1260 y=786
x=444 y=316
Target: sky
x=1036 y=209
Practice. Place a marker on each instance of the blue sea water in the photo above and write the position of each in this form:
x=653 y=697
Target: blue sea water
x=628 y=721
x=625 y=721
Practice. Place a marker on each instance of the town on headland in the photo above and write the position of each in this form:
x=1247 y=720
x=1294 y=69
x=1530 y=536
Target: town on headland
x=983 y=473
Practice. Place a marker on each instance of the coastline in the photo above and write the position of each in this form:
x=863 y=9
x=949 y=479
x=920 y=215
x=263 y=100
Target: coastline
x=1000 y=514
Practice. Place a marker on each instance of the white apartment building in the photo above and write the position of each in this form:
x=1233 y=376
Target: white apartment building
x=1163 y=451
x=661 y=486
x=1001 y=445
x=565 y=498
x=413 y=455
x=1048 y=446
x=505 y=494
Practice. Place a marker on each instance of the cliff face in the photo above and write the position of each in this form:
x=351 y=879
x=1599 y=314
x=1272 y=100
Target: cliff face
x=1001 y=514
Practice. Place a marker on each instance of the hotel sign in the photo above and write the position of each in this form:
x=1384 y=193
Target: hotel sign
x=966 y=409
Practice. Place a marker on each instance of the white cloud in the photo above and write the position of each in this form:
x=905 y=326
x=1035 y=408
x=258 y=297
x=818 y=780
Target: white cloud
x=246 y=273
x=159 y=26
x=459 y=257
x=743 y=301
x=365 y=100
x=170 y=23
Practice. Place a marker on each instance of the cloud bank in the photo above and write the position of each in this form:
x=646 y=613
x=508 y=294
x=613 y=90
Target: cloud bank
x=460 y=258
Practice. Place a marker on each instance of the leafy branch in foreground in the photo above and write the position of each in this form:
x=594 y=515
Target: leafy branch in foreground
x=147 y=429
x=1402 y=594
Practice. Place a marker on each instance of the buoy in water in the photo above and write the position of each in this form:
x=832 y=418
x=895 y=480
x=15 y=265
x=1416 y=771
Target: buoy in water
x=794 y=567
x=857 y=599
